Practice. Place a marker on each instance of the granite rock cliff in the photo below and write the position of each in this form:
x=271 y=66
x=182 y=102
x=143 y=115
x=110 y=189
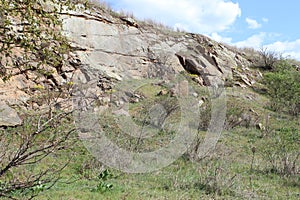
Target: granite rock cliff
x=108 y=48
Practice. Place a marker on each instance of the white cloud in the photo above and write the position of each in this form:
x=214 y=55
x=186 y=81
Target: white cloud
x=255 y=41
x=265 y=20
x=181 y=27
x=201 y=16
x=287 y=48
x=219 y=38
x=253 y=24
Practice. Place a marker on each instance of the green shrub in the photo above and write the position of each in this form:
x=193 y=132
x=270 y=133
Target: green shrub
x=283 y=85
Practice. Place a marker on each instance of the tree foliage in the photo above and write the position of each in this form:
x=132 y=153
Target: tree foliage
x=30 y=39
x=284 y=87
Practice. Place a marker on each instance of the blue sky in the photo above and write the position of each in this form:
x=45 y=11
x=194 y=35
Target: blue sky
x=272 y=24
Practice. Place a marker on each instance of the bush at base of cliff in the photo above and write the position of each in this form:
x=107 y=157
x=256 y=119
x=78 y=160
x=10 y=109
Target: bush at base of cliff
x=283 y=85
x=30 y=153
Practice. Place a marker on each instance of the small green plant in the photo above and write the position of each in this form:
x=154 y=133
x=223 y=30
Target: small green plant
x=40 y=187
x=103 y=185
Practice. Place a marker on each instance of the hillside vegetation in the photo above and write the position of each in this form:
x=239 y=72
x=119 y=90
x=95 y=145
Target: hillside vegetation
x=42 y=156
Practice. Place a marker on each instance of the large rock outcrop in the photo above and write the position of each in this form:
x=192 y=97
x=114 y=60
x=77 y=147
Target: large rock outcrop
x=108 y=48
x=121 y=47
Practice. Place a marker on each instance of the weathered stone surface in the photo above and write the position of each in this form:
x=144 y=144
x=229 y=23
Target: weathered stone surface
x=109 y=49
x=8 y=116
x=122 y=49
x=13 y=91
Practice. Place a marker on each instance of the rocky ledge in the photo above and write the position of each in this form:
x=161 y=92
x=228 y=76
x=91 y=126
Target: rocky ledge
x=109 y=48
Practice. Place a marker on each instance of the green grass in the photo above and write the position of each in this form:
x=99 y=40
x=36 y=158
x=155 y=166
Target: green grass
x=230 y=171
x=225 y=174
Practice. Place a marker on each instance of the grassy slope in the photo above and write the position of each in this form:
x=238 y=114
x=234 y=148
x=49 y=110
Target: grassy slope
x=229 y=172
x=225 y=174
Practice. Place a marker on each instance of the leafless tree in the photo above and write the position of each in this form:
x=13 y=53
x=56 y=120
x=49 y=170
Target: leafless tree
x=269 y=58
x=29 y=154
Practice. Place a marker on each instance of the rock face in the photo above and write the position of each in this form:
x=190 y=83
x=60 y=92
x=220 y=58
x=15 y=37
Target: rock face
x=123 y=48
x=110 y=48
x=8 y=116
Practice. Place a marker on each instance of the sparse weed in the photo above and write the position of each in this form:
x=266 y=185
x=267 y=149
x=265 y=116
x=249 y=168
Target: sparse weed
x=103 y=185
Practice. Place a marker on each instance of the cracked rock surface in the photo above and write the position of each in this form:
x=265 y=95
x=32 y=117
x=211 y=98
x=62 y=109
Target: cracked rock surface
x=108 y=48
x=126 y=49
